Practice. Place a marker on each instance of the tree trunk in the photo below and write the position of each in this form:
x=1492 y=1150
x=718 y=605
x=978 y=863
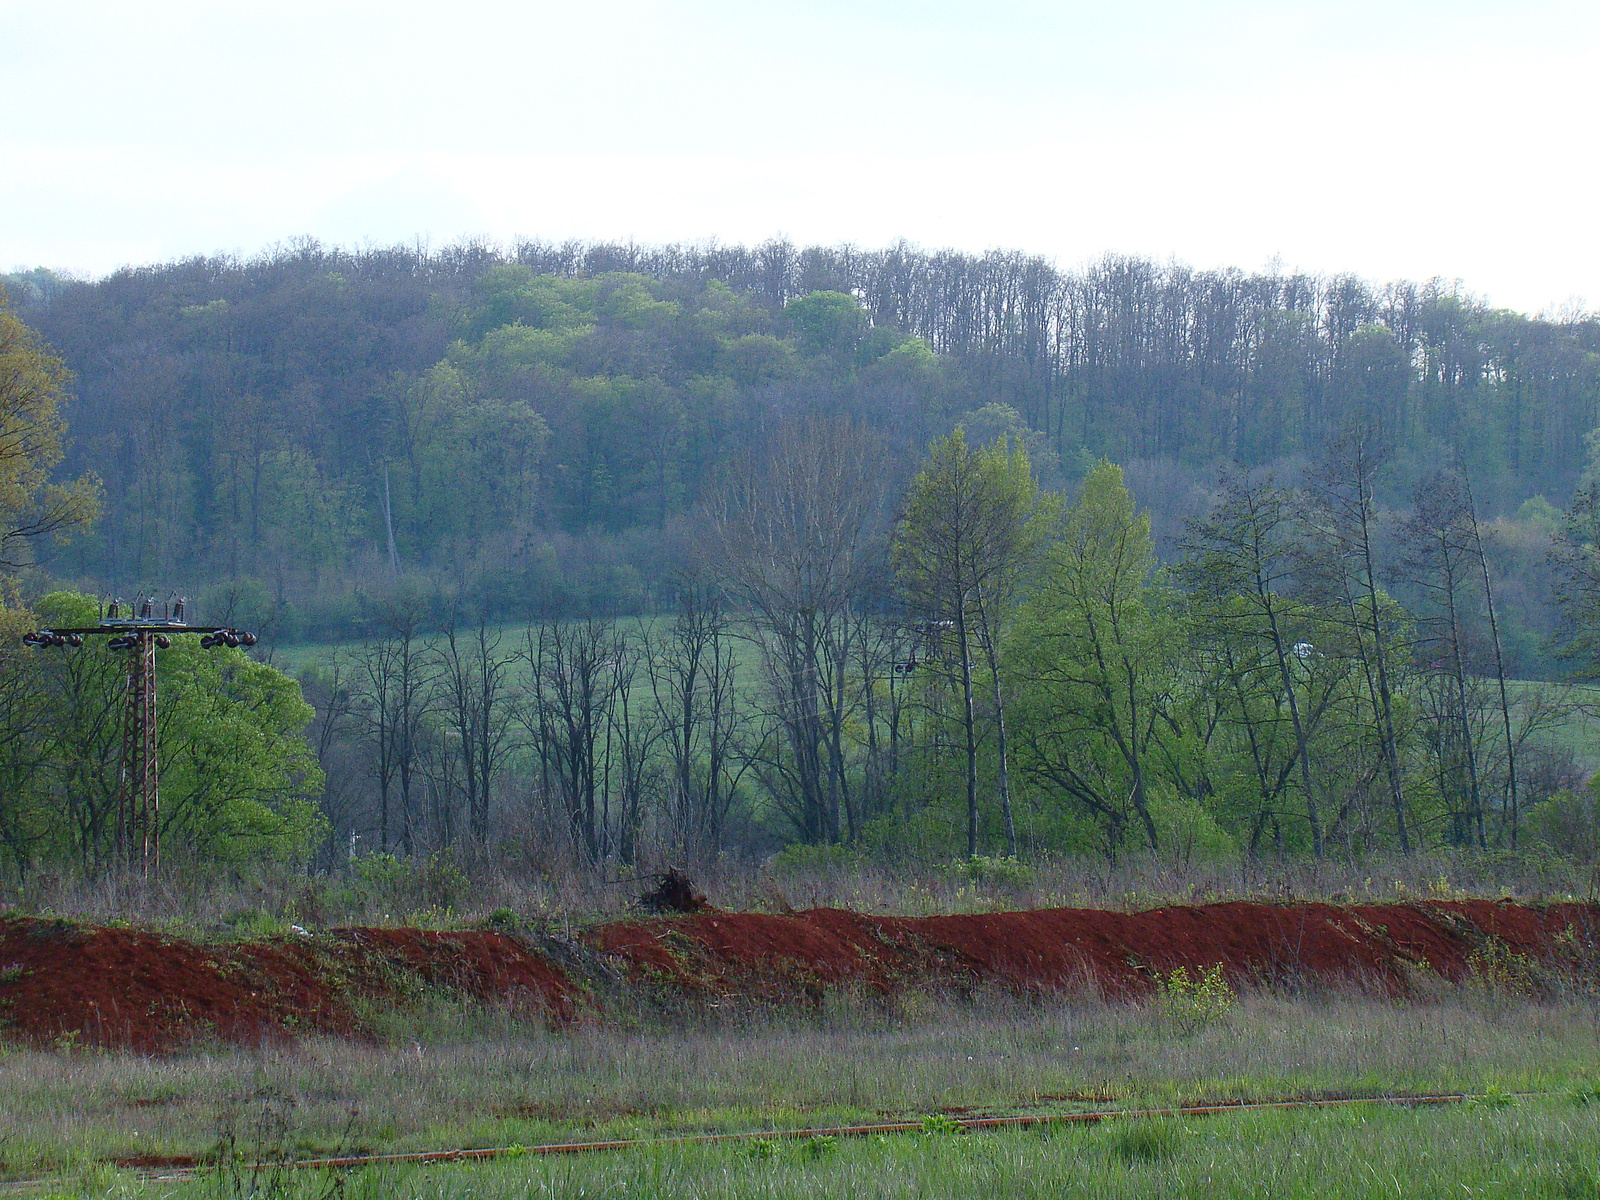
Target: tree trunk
x=969 y=724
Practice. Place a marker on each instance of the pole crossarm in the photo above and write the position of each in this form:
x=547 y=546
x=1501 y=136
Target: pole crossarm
x=143 y=627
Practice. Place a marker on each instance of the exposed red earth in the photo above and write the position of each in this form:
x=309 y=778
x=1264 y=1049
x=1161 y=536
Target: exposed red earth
x=1382 y=947
x=66 y=984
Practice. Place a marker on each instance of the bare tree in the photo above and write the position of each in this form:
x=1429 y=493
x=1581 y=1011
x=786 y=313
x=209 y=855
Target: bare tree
x=792 y=521
x=394 y=680
x=1439 y=538
x=332 y=696
x=633 y=731
x=1475 y=545
x=573 y=683
x=473 y=702
x=691 y=671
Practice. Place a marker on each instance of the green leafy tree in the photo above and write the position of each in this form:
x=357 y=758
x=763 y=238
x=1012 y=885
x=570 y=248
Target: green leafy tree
x=828 y=322
x=1097 y=651
x=972 y=522
x=32 y=443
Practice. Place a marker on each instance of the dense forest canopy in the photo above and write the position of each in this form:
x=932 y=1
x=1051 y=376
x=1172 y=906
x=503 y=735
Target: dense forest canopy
x=540 y=424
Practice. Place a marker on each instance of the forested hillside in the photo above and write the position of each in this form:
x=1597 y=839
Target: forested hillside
x=539 y=425
x=894 y=587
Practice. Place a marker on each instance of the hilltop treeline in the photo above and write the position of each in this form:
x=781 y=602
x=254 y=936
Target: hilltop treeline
x=540 y=424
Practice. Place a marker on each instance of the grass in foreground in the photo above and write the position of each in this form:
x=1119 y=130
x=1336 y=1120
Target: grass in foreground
x=459 y=1080
x=1534 y=1149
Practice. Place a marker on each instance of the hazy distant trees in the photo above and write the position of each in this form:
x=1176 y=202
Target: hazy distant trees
x=242 y=414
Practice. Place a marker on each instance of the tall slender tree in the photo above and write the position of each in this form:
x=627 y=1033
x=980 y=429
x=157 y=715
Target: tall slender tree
x=1439 y=541
x=1250 y=546
x=1344 y=508
x=972 y=521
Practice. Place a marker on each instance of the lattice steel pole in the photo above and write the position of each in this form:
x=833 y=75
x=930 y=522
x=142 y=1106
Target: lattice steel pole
x=149 y=773
x=139 y=780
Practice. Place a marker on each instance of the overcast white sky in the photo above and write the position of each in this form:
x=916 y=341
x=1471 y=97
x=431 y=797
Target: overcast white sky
x=1400 y=138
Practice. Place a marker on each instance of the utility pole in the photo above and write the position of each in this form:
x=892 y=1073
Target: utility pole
x=139 y=781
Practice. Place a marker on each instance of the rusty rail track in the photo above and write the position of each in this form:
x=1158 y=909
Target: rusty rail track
x=351 y=1162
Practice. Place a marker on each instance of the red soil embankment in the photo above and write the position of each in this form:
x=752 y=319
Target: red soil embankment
x=1118 y=954
x=61 y=982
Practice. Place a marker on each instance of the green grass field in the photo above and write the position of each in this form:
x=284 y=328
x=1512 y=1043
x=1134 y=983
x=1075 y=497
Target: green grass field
x=1580 y=733
x=456 y=1077
x=1548 y=1148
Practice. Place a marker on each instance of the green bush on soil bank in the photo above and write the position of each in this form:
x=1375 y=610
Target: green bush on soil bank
x=1569 y=822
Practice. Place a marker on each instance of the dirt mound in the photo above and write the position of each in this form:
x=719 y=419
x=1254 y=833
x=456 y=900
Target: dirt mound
x=488 y=966
x=1118 y=954
x=66 y=984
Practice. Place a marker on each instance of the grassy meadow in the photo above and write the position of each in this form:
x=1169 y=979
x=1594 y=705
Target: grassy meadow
x=450 y=1076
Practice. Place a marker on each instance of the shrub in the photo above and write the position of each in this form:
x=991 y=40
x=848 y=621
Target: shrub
x=1500 y=970
x=1191 y=1001
x=1568 y=822
x=502 y=920
x=254 y=924
x=395 y=885
x=996 y=872
x=819 y=1145
x=803 y=857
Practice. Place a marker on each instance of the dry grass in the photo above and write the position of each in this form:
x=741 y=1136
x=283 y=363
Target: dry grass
x=444 y=893
x=461 y=1076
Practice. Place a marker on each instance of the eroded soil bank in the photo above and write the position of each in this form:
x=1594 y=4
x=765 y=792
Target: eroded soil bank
x=68 y=984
